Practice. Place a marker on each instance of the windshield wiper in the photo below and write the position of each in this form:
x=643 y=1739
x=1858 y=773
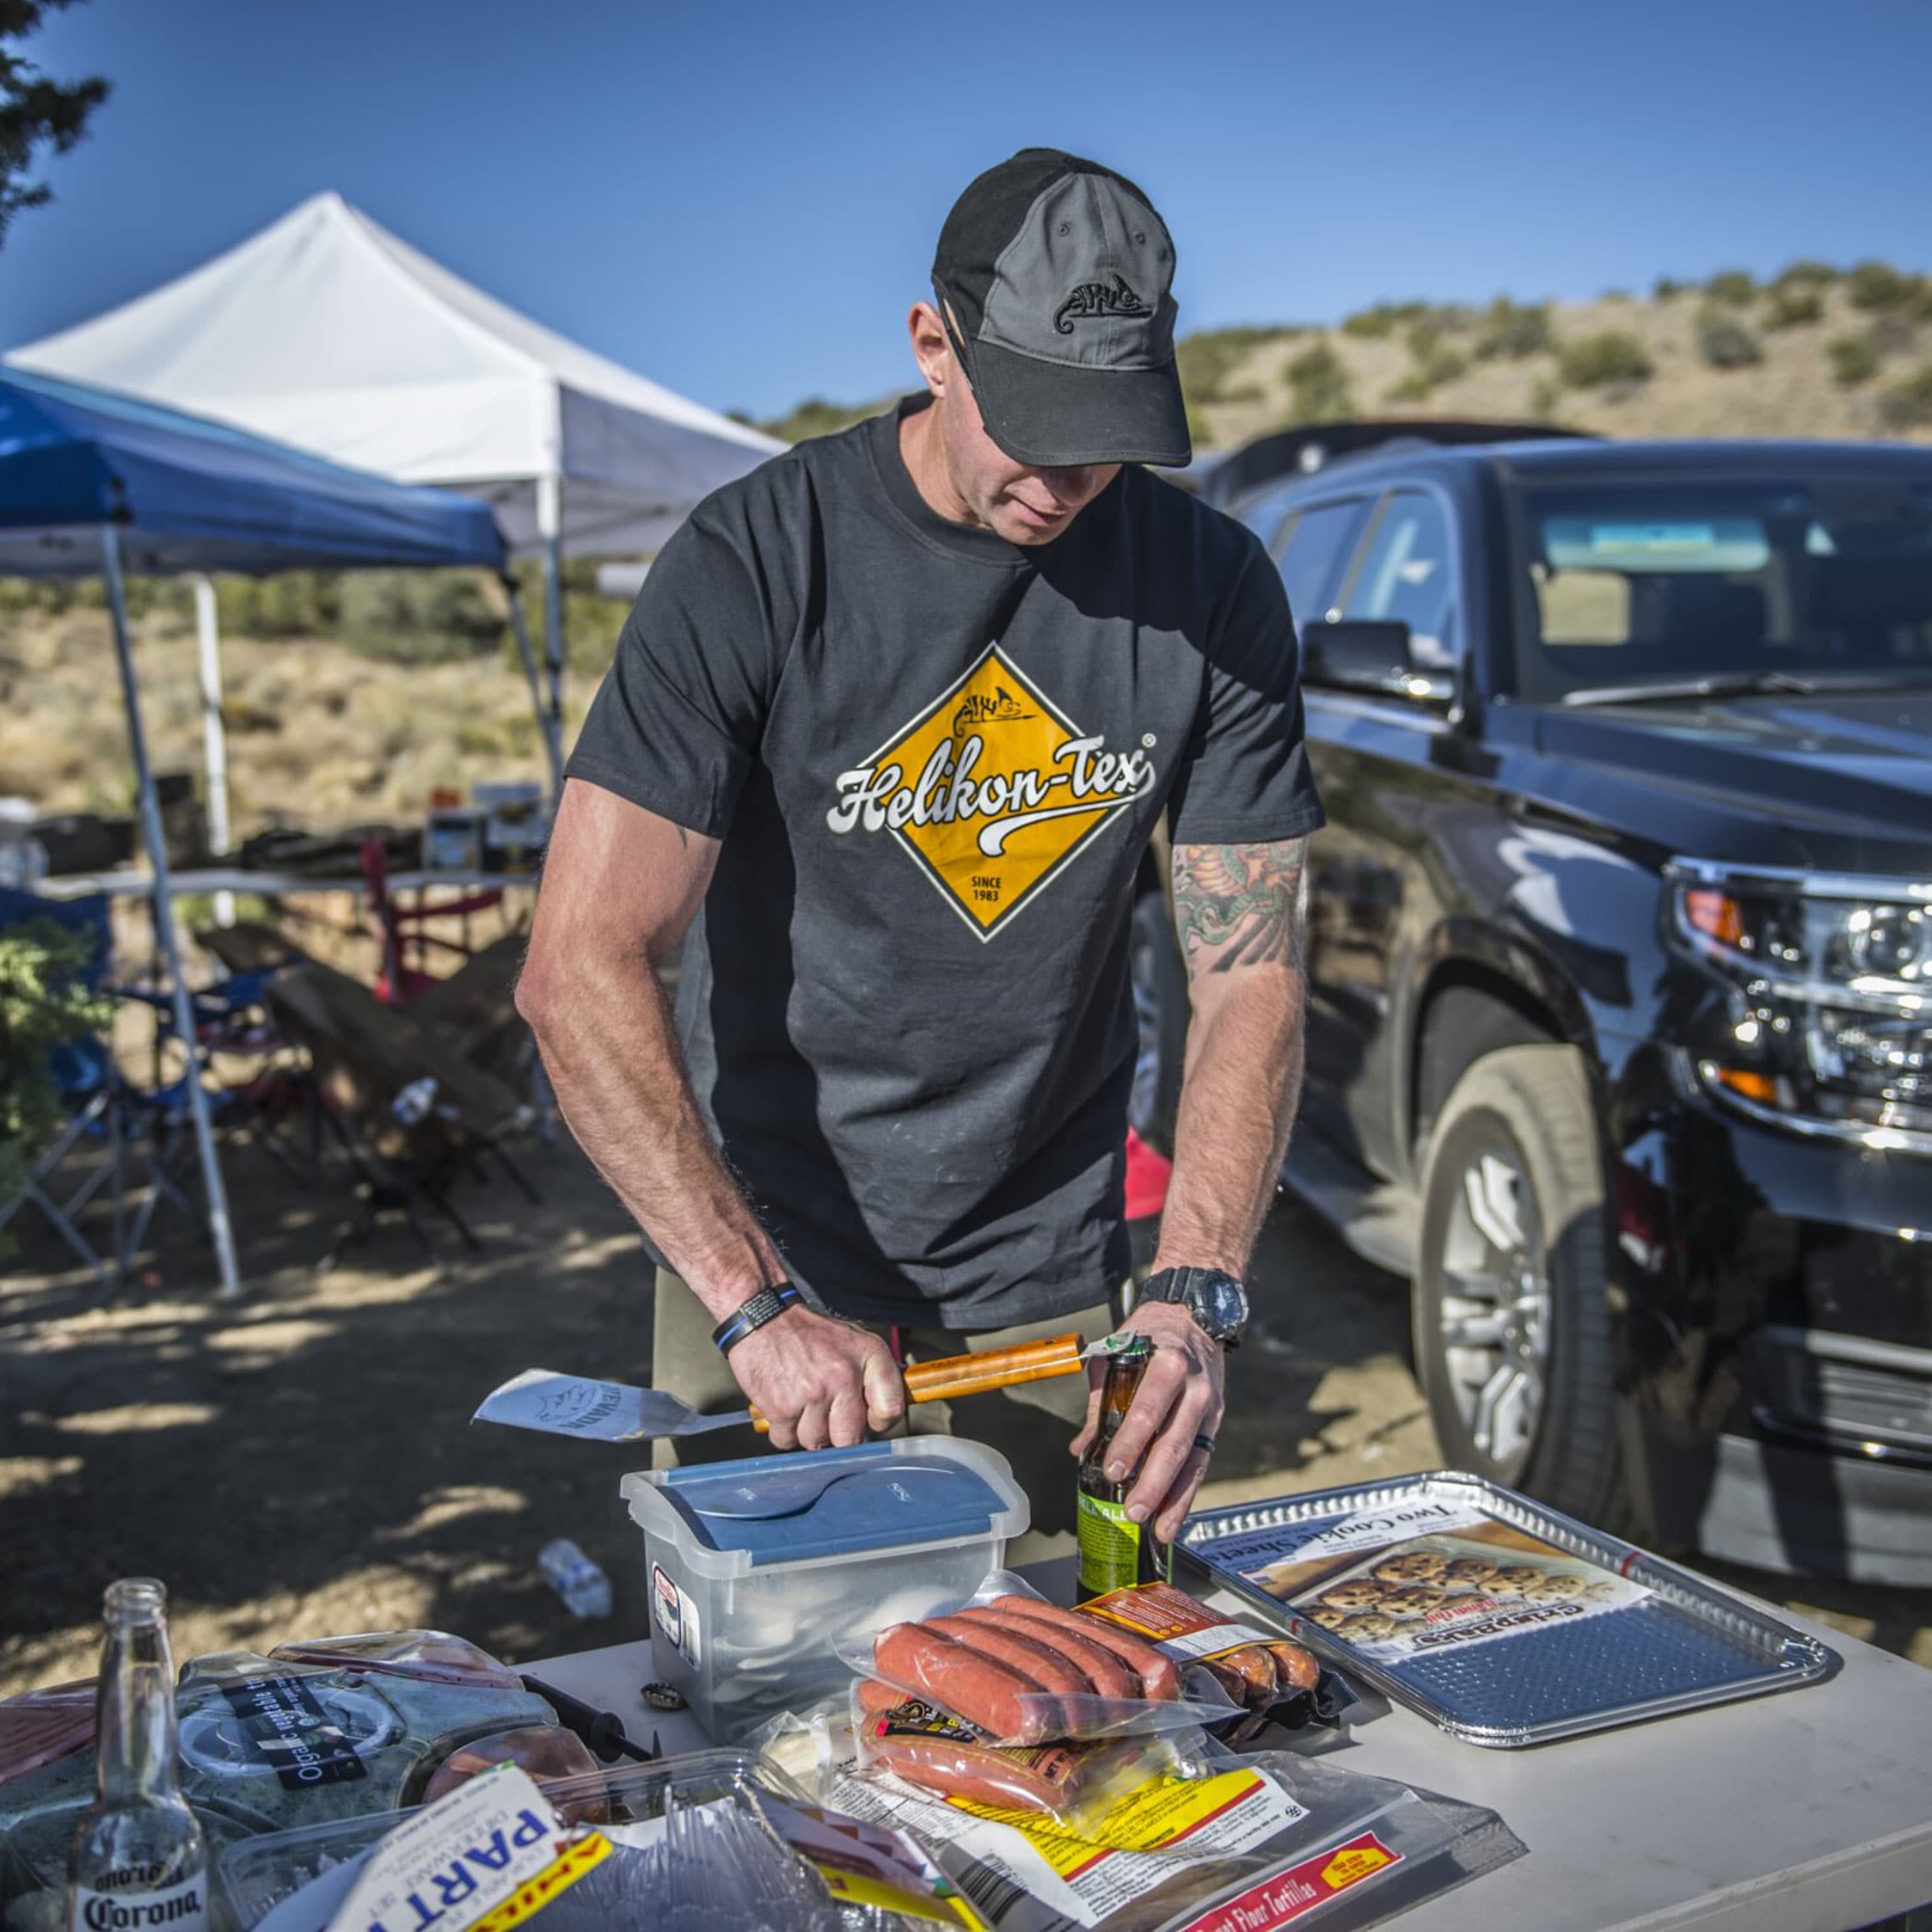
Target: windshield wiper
x=1752 y=683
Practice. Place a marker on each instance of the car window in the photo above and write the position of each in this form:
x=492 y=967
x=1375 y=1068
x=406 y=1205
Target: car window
x=1312 y=562
x=1265 y=515
x=1402 y=575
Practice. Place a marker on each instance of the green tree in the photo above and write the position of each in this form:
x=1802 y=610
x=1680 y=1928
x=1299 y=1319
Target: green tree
x=1513 y=329
x=1724 y=342
x=34 y=112
x=42 y=1005
x=1734 y=287
x=1852 y=359
x=1318 y=389
x=1596 y=361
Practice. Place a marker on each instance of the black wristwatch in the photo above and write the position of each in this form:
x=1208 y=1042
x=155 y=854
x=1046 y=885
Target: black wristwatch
x=1211 y=1296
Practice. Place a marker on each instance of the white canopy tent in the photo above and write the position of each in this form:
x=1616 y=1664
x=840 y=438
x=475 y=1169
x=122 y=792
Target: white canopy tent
x=326 y=332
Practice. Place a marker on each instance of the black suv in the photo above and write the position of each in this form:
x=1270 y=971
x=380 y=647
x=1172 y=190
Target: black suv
x=1620 y=960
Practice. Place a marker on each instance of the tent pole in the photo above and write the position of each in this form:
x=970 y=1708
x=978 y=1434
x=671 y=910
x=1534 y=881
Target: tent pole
x=545 y=722
x=214 y=733
x=549 y=528
x=164 y=923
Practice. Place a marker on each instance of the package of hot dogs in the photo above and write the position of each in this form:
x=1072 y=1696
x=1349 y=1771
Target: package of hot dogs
x=1273 y=1679
x=939 y=1752
x=1022 y=1671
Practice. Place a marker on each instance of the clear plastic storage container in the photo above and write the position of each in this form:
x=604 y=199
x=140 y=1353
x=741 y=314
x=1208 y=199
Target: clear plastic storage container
x=757 y=1567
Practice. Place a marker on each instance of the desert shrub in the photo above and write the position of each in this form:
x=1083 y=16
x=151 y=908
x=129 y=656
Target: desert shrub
x=1852 y=359
x=1805 y=274
x=1512 y=329
x=1207 y=359
x=1545 y=393
x=1664 y=287
x=1736 y=288
x=291 y=604
x=817 y=417
x=1318 y=389
x=41 y=1007
x=1794 y=305
x=1371 y=325
x=1594 y=361
x=420 y=616
x=1724 y=342
x=1877 y=287
x=1908 y=405
x=1891 y=333
x=1435 y=364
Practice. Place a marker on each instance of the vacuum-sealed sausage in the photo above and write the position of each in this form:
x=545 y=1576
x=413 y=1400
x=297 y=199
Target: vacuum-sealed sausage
x=1157 y=1674
x=993 y=1696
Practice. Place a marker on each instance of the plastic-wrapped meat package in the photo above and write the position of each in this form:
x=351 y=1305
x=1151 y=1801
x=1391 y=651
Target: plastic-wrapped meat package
x=1230 y=1844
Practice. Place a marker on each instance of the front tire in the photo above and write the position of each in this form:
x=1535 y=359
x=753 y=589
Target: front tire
x=1511 y=1325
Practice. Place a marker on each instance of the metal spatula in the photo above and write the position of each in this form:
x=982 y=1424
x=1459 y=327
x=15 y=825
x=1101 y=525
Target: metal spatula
x=593 y=1411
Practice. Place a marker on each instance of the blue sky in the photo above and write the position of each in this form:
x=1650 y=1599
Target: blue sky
x=738 y=197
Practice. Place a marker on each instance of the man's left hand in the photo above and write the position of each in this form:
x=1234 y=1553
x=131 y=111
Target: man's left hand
x=1178 y=1399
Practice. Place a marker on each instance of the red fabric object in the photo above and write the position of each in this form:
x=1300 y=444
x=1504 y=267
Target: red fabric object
x=1147 y=1174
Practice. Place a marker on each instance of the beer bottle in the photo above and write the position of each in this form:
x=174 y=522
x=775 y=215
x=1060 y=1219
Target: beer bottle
x=138 y=1859
x=1115 y=1551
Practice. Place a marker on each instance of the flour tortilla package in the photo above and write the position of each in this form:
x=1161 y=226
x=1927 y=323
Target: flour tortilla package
x=1221 y=1843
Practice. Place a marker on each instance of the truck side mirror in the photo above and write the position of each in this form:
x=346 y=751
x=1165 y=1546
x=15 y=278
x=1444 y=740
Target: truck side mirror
x=1359 y=654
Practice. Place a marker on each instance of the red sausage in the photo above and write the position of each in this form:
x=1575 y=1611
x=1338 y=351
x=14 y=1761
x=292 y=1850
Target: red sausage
x=1111 y=1677
x=1036 y=1779
x=995 y=1696
x=1253 y=1666
x=1158 y=1676
x=1297 y=1668
x=1031 y=1658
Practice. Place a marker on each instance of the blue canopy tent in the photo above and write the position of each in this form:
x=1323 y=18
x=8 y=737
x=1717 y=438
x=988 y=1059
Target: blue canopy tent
x=92 y=482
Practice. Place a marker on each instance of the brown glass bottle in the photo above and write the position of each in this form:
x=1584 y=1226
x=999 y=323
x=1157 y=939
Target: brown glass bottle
x=1115 y=1551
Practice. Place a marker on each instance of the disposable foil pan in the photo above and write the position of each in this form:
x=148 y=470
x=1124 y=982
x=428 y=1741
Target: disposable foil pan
x=1501 y=1621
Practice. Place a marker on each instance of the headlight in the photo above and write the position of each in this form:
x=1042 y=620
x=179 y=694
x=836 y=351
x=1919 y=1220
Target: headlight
x=1829 y=1009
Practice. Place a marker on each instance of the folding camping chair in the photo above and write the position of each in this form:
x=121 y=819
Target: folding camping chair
x=411 y=1114
x=398 y=927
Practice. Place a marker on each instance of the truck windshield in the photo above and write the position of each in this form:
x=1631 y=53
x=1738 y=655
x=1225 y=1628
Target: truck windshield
x=1670 y=582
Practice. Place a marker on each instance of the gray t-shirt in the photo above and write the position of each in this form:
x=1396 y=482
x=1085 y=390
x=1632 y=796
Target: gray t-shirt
x=934 y=759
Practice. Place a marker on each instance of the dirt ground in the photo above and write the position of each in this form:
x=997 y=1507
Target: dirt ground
x=302 y=1463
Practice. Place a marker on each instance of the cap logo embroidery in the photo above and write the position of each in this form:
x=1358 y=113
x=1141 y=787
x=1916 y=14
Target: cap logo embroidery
x=1098 y=298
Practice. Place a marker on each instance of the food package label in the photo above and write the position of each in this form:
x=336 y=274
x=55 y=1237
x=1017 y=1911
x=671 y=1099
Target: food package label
x=1175 y=1623
x=867 y=1865
x=1283 y=1896
x=288 y=1730
x=489 y=1855
x=1144 y=1839
x=674 y=1614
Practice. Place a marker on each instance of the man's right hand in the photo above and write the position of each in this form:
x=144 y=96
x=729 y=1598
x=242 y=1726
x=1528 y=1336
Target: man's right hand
x=819 y=1383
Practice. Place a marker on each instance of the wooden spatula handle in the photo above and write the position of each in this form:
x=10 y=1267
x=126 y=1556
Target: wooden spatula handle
x=972 y=1375
x=997 y=1368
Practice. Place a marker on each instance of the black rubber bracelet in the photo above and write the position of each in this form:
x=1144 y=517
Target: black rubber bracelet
x=767 y=1305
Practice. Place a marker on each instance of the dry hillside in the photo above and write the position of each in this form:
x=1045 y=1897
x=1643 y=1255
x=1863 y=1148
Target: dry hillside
x=325 y=735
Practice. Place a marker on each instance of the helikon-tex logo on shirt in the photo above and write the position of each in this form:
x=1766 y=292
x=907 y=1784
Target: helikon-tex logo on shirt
x=992 y=791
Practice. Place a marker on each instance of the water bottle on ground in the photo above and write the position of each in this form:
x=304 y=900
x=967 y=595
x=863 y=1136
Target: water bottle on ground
x=139 y=1857
x=584 y=1587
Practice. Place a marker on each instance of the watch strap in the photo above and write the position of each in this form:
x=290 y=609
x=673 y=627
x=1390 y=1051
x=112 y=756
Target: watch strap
x=1192 y=1289
x=767 y=1305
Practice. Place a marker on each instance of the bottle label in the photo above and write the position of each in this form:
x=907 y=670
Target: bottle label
x=1109 y=1547
x=179 y=1908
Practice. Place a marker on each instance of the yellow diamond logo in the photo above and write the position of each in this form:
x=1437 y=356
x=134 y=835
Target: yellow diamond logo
x=992 y=790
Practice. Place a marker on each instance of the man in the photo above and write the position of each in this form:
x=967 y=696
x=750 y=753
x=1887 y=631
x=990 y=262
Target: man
x=886 y=734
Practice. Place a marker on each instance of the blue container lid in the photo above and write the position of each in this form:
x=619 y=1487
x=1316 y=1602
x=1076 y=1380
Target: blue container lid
x=837 y=1502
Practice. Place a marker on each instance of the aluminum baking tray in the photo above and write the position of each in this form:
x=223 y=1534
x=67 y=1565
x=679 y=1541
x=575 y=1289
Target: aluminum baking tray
x=1501 y=1621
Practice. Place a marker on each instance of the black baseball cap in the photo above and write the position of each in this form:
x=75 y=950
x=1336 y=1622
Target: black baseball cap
x=1053 y=276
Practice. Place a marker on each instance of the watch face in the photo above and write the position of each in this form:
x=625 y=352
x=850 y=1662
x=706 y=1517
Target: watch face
x=1226 y=1310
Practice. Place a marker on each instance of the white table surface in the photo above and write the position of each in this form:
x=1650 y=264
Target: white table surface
x=1805 y=1810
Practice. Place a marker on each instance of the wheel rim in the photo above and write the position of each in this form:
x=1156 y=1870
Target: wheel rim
x=1496 y=1309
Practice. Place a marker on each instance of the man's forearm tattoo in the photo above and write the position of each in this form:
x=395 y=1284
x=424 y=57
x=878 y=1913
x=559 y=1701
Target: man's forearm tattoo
x=1240 y=904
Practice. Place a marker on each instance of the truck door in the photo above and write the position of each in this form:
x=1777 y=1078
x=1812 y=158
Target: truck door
x=1387 y=797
